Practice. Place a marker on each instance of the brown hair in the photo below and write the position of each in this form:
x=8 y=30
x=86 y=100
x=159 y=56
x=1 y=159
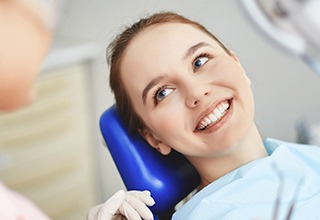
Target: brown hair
x=115 y=53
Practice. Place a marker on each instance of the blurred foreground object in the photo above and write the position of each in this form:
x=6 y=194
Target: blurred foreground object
x=48 y=11
x=293 y=25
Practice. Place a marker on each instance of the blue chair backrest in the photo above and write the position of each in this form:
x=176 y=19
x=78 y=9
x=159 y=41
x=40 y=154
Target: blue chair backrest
x=169 y=178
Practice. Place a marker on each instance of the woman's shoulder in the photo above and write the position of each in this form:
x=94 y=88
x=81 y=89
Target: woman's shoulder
x=294 y=155
x=271 y=144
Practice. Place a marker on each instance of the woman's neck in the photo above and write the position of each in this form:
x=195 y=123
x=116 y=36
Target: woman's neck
x=249 y=149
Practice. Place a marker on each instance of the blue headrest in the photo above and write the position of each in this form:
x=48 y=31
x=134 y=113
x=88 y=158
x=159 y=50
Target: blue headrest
x=169 y=178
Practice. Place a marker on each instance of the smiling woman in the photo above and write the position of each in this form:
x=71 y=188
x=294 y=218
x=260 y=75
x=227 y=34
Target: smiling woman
x=181 y=88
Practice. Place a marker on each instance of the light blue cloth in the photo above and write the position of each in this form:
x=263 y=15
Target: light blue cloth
x=250 y=191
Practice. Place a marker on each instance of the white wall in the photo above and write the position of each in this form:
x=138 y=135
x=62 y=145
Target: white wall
x=285 y=88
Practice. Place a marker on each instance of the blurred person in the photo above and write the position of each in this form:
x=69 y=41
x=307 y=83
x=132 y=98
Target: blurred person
x=24 y=41
x=26 y=29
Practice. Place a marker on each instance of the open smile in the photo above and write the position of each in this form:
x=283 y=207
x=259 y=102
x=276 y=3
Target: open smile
x=214 y=116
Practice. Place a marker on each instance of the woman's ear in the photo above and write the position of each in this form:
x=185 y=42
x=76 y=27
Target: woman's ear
x=155 y=142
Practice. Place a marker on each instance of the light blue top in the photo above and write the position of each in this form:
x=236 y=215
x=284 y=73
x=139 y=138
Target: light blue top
x=250 y=191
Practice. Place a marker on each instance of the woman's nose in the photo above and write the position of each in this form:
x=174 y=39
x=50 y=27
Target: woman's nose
x=195 y=96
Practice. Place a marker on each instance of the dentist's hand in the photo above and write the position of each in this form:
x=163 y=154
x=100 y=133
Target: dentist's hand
x=130 y=205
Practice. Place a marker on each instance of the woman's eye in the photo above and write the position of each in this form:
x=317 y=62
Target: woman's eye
x=199 y=62
x=163 y=93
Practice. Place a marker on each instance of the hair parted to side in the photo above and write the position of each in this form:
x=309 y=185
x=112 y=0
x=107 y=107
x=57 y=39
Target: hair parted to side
x=115 y=52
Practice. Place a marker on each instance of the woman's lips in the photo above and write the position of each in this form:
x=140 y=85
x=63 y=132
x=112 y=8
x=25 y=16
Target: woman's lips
x=214 y=117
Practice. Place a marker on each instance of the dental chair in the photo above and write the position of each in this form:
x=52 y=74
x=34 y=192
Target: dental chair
x=169 y=178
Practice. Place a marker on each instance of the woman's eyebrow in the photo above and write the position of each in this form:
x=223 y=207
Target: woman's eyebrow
x=149 y=86
x=194 y=48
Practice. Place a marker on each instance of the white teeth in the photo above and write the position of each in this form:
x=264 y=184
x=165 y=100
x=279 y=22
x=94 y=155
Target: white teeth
x=221 y=109
x=217 y=112
x=214 y=116
x=225 y=105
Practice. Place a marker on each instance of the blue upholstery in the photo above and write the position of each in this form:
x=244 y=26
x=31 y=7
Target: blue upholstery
x=169 y=178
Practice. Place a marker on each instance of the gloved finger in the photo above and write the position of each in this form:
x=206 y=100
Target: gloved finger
x=139 y=206
x=129 y=212
x=111 y=206
x=144 y=196
x=93 y=212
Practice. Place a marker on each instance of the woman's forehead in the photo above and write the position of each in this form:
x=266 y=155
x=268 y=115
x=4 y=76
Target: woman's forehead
x=166 y=33
x=161 y=40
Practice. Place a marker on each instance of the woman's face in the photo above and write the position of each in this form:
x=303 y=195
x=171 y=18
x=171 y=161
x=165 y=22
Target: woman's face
x=23 y=45
x=192 y=95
